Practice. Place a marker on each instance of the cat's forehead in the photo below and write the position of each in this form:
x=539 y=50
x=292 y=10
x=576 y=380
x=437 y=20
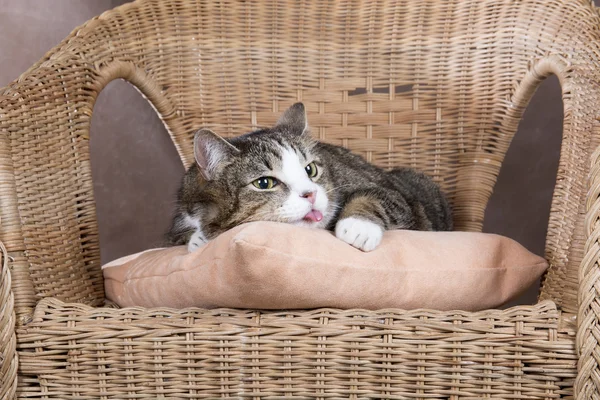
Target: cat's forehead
x=272 y=148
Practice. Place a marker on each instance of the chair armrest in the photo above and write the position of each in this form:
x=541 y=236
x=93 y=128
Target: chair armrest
x=573 y=243
x=587 y=384
x=8 y=355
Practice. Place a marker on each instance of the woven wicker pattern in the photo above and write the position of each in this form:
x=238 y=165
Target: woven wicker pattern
x=588 y=380
x=313 y=355
x=8 y=340
x=439 y=86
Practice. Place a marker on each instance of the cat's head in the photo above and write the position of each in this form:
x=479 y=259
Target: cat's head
x=268 y=175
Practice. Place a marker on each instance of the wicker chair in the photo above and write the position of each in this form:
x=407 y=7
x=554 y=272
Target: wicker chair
x=440 y=86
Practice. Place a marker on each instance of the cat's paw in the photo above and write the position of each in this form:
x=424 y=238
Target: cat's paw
x=196 y=241
x=360 y=233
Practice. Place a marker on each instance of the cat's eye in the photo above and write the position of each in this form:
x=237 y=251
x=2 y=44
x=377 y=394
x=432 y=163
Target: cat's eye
x=265 y=182
x=311 y=170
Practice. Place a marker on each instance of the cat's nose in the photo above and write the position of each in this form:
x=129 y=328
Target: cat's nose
x=309 y=195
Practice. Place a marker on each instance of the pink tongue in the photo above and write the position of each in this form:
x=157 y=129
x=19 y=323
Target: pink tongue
x=313 y=215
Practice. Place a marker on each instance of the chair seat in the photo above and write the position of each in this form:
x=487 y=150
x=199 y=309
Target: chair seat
x=524 y=352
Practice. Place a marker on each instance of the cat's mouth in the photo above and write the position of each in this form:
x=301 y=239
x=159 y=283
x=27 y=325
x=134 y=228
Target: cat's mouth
x=313 y=216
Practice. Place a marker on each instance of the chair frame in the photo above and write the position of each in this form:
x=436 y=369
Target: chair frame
x=440 y=86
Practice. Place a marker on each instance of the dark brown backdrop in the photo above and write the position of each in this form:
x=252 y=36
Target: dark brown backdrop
x=136 y=169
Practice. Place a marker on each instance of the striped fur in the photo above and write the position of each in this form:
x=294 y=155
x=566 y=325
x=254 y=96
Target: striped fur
x=217 y=193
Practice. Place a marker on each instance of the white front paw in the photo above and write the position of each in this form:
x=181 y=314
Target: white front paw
x=196 y=241
x=360 y=233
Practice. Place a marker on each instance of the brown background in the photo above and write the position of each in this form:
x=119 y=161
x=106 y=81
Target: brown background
x=136 y=169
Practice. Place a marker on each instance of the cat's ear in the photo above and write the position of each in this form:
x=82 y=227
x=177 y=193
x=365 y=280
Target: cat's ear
x=295 y=118
x=211 y=151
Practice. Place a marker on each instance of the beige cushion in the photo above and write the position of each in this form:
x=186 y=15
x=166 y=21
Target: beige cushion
x=268 y=265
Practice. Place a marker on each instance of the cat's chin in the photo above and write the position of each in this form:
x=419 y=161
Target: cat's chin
x=306 y=224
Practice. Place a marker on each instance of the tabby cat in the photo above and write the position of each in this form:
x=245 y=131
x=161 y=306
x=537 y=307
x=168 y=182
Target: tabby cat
x=282 y=174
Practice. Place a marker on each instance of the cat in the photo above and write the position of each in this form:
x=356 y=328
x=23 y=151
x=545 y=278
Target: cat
x=283 y=174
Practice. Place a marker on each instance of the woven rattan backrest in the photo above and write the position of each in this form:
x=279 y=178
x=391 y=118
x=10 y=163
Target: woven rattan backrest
x=435 y=85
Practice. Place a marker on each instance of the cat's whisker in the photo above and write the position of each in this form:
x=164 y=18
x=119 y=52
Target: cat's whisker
x=337 y=187
x=334 y=207
x=259 y=216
